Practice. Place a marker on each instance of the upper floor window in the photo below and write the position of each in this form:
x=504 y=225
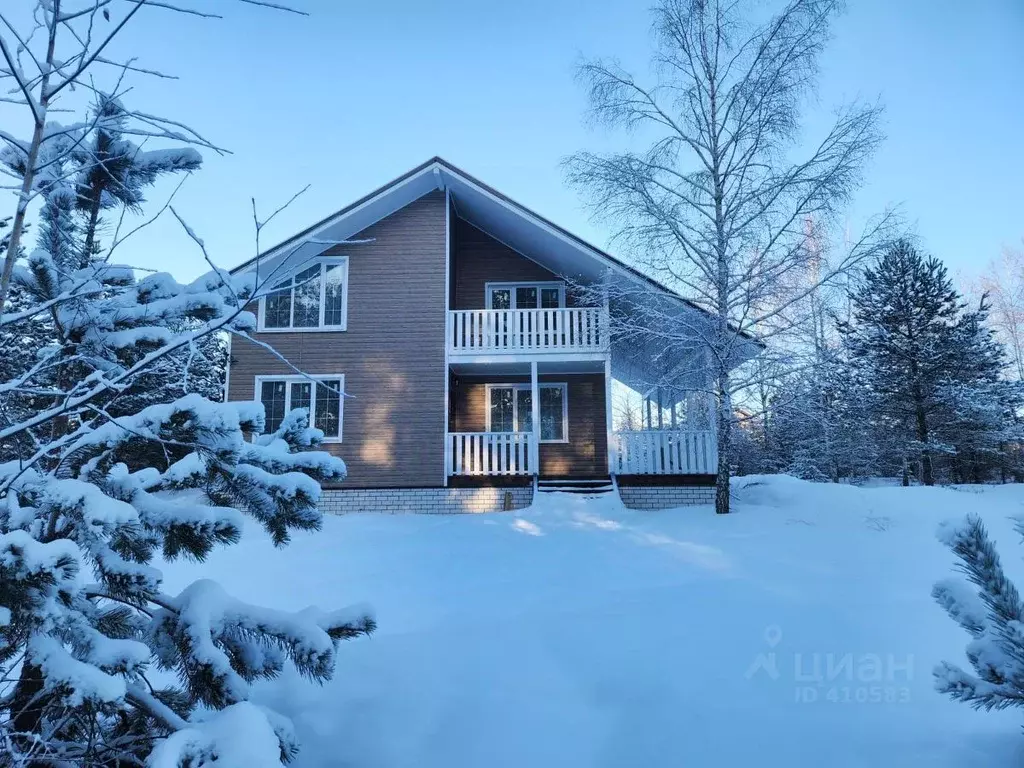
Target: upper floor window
x=315 y=298
x=549 y=295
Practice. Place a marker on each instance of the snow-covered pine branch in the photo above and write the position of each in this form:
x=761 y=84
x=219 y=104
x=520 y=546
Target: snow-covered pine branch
x=991 y=611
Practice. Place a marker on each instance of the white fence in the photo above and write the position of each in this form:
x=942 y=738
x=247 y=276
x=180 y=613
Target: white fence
x=664 y=452
x=573 y=329
x=490 y=453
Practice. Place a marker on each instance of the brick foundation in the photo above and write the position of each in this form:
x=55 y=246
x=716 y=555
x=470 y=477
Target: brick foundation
x=665 y=497
x=437 y=501
x=450 y=501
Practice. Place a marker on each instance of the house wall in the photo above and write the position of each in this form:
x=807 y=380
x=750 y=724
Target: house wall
x=586 y=453
x=478 y=259
x=392 y=353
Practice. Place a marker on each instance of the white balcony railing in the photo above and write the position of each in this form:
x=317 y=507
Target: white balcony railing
x=664 y=452
x=491 y=453
x=569 y=329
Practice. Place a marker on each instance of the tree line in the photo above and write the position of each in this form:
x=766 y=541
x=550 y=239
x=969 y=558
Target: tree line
x=828 y=353
x=903 y=376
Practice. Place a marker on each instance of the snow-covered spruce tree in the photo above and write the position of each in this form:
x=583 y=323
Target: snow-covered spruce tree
x=983 y=428
x=981 y=419
x=93 y=499
x=919 y=350
x=825 y=420
x=58 y=232
x=992 y=613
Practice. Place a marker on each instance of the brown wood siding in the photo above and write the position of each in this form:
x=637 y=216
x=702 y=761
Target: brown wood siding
x=392 y=353
x=586 y=453
x=478 y=259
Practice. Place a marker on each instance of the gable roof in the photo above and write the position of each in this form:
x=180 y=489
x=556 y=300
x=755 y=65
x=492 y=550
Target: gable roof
x=490 y=210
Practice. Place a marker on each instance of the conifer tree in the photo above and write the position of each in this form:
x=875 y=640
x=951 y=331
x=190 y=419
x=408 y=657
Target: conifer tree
x=104 y=469
x=910 y=339
x=89 y=170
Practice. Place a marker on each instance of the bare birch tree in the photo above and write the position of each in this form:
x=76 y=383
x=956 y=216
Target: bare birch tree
x=1003 y=285
x=714 y=205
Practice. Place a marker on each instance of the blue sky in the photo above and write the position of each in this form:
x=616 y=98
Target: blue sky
x=360 y=92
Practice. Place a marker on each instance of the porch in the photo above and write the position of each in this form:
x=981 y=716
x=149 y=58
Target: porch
x=493 y=407
x=646 y=452
x=492 y=410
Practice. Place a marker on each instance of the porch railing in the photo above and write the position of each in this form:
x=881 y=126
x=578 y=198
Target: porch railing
x=491 y=453
x=572 y=329
x=664 y=452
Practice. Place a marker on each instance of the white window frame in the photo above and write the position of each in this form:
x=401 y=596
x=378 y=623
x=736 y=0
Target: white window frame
x=488 y=287
x=342 y=262
x=291 y=379
x=515 y=405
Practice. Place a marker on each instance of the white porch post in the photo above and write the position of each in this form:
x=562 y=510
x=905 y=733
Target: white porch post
x=612 y=452
x=535 y=417
x=661 y=424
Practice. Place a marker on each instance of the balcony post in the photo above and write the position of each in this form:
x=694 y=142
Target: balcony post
x=535 y=417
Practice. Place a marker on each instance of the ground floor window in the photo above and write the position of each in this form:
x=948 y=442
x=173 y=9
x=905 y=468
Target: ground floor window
x=282 y=394
x=510 y=409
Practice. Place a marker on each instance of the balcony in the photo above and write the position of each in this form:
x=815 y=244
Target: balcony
x=514 y=331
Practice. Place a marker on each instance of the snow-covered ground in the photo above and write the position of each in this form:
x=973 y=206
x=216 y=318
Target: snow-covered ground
x=798 y=631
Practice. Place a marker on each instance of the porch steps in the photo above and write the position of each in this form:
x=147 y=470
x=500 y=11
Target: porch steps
x=591 y=487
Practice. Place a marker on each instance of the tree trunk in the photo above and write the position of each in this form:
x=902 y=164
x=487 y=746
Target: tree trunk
x=18 y=226
x=27 y=704
x=927 y=477
x=90 y=227
x=724 y=433
x=39 y=115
